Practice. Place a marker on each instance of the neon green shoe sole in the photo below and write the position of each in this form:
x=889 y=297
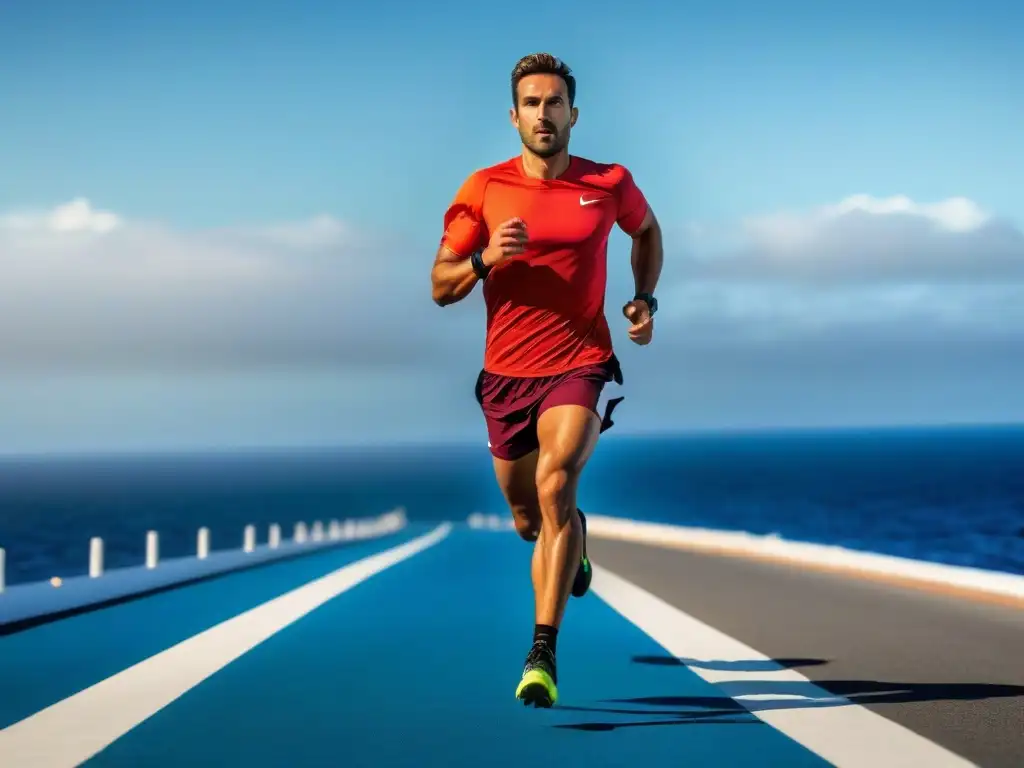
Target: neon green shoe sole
x=537 y=688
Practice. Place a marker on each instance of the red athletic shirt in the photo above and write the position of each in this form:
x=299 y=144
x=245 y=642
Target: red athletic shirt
x=545 y=307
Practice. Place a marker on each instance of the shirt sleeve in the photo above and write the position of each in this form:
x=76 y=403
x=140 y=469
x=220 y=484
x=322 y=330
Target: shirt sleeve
x=632 y=205
x=464 y=227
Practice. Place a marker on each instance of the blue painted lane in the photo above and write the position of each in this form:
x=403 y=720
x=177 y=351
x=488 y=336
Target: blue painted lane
x=418 y=666
x=45 y=664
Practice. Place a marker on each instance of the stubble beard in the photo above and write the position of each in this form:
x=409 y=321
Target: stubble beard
x=545 y=150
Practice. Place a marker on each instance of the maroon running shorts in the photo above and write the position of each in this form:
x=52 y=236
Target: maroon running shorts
x=512 y=405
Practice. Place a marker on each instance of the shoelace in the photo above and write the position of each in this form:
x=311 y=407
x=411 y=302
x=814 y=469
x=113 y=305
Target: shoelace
x=540 y=656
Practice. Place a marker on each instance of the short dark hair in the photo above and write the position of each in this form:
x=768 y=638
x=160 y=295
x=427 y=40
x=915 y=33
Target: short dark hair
x=542 y=64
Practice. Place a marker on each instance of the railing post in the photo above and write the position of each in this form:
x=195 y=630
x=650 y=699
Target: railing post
x=3 y=559
x=95 y=557
x=203 y=543
x=274 y=537
x=249 y=538
x=152 y=549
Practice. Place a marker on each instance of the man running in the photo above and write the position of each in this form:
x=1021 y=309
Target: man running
x=534 y=230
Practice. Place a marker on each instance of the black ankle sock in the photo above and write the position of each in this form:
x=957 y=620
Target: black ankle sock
x=544 y=633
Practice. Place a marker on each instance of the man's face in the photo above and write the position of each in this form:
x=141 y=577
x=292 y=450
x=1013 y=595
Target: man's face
x=543 y=116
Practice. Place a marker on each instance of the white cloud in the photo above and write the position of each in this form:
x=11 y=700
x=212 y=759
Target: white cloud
x=957 y=214
x=75 y=216
x=862 y=310
x=86 y=289
x=863 y=263
x=868 y=240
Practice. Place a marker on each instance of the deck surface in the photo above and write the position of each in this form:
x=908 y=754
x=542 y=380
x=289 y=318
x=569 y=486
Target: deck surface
x=365 y=655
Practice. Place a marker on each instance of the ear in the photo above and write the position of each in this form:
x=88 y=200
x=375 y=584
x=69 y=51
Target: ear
x=575 y=117
x=513 y=116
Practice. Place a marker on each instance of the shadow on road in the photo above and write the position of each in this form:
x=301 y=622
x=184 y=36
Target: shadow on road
x=774 y=694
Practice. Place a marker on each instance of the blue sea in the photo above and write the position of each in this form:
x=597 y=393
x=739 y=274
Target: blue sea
x=953 y=495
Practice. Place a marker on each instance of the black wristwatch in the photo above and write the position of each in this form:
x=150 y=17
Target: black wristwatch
x=477 y=261
x=649 y=300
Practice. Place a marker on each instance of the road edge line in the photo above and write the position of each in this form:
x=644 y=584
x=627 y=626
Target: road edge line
x=836 y=729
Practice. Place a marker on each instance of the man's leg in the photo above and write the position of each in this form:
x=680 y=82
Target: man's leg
x=507 y=405
x=518 y=482
x=567 y=435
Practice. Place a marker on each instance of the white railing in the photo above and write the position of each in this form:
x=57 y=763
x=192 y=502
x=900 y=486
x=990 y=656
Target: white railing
x=334 y=531
x=490 y=522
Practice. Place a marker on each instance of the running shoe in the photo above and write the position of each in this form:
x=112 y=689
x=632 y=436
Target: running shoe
x=539 y=683
x=584 y=573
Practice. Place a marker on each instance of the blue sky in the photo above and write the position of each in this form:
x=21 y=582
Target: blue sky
x=260 y=188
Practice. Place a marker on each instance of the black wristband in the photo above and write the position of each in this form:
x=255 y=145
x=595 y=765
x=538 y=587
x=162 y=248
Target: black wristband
x=477 y=260
x=649 y=300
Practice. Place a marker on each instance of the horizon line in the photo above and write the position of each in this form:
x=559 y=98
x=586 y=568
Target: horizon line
x=465 y=442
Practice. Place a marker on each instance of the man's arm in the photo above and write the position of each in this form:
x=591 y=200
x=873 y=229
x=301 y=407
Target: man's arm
x=452 y=277
x=647 y=254
x=646 y=258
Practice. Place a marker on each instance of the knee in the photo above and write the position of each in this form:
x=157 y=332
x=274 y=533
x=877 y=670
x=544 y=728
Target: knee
x=554 y=490
x=527 y=521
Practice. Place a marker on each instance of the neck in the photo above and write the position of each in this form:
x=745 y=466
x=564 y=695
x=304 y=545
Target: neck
x=545 y=167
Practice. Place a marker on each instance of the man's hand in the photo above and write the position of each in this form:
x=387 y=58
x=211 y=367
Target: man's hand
x=642 y=324
x=508 y=240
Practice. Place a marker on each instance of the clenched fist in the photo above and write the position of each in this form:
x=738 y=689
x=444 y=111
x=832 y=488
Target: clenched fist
x=641 y=328
x=508 y=240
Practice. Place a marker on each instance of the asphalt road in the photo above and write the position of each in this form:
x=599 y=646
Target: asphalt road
x=407 y=651
x=945 y=667
x=358 y=657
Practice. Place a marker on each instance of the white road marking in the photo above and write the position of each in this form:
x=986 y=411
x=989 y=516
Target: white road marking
x=837 y=730
x=71 y=731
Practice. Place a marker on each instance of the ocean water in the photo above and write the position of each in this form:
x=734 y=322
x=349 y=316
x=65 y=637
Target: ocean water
x=953 y=495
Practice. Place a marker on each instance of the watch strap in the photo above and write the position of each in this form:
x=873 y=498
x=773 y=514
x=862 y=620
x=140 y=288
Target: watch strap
x=477 y=261
x=648 y=299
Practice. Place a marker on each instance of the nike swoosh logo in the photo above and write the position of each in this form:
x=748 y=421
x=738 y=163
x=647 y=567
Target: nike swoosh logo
x=590 y=202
